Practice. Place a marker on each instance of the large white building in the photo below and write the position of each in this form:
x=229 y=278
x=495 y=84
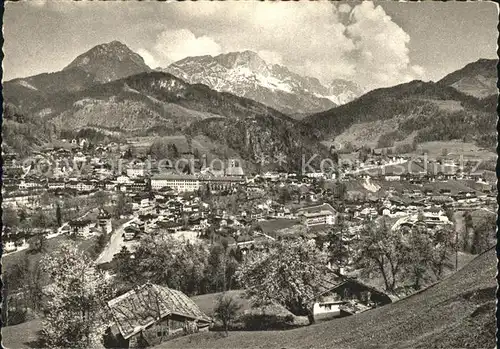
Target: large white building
x=323 y=214
x=179 y=183
x=189 y=183
x=136 y=171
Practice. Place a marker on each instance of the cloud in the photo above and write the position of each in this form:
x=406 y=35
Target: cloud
x=321 y=39
x=380 y=47
x=173 y=45
x=148 y=58
x=271 y=57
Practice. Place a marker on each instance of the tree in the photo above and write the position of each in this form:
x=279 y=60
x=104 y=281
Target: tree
x=443 y=244
x=337 y=248
x=469 y=226
x=38 y=243
x=383 y=249
x=288 y=274
x=284 y=195
x=226 y=310
x=41 y=220
x=165 y=261
x=101 y=198
x=75 y=315
x=125 y=266
x=340 y=191
x=418 y=256
x=58 y=215
x=10 y=218
x=215 y=268
x=363 y=153
x=121 y=207
x=484 y=235
x=101 y=242
x=129 y=154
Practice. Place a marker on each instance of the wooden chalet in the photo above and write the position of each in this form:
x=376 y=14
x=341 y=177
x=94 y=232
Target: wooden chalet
x=150 y=314
x=340 y=295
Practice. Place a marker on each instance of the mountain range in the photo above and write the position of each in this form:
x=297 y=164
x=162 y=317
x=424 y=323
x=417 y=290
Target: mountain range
x=246 y=74
x=158 y=103
x=460 y=105
x=110 y=88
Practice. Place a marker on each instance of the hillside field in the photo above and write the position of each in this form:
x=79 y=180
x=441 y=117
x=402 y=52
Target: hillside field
x=459 y=312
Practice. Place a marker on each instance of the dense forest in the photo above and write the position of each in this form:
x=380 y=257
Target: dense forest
x=416 y=106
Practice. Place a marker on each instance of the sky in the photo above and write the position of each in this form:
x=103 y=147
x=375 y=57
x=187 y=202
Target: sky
x=375 y=44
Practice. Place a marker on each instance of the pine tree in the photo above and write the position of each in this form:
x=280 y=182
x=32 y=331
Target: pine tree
x=58 y=215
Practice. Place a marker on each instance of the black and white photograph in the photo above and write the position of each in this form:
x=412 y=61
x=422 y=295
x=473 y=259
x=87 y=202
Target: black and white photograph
x=249 y=174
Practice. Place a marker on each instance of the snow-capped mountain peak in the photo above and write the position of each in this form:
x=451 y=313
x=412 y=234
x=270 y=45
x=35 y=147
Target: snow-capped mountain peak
x=246 y=74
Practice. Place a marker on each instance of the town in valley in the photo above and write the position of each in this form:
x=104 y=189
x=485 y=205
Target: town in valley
x=227 y=200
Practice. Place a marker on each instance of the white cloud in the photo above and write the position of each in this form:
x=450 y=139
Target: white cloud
x=321 y=39
x=381 y=53
x=148 y=58
x=418 y=70
x=173 y=45
x=271 y=57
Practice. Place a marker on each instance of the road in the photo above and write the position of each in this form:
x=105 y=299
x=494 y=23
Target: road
x=114 y=245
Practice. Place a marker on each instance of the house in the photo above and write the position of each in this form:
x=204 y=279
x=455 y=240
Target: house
x=130 y=232
x=53 y=184
x=271 y=176
x=386 y=211
x=9 y=246
x=136 y=171
x=342 y=296
x=317 y=215
x=80 y=227
x=21 y=200
x=150 y=314
x=234 y=168
x=123 y=180
x=220 y=183
x=104 y=219
x=171 y=227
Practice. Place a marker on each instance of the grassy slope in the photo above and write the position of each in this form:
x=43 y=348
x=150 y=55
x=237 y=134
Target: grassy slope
x=21 y=336
x=207 y=302
x=458 y=312
x=52 y=244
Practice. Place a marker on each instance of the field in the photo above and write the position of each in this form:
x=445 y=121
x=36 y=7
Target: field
x=271 y=226
x=16 y=258
x=248 y=317
x=207 y=302
x=455 y=149
x=21 y=336
x=365 y=133
x=454 y=186
x=456 y=313
x=446 y=105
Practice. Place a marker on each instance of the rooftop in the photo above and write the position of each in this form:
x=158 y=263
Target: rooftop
x=142 y=306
